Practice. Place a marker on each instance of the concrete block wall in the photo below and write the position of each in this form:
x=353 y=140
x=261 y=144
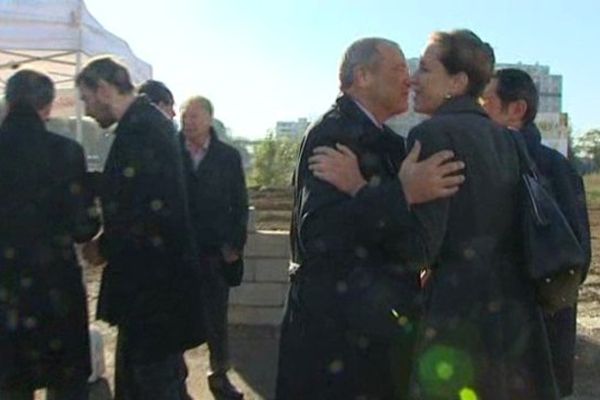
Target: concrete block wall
x=260 y=299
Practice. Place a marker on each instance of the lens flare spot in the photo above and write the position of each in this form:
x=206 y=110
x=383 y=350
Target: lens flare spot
x=9 y=253
x=336 y=366
x=444 y=370
x=468 y=394
x=129 y=172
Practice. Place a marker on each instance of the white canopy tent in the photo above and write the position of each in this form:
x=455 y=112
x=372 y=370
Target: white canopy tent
x=57 y=37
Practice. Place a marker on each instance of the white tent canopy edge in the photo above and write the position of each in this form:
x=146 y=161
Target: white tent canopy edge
x=57 y=37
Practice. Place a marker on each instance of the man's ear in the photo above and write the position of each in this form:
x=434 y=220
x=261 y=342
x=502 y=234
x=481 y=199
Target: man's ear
x=361 y=76
x=517 y=110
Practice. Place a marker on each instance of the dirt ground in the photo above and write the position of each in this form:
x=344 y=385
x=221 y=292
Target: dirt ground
x=254 y=350
x=588 y=320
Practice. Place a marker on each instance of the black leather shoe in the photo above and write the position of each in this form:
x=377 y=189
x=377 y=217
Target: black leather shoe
x=222 y=388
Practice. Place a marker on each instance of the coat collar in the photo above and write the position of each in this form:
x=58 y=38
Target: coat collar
x=22 y=120
x=214 y=138
x=532 y=136
x=215 y=143
x=461 y=104
x=347 y=106
x=383 y=139
x=136 y=110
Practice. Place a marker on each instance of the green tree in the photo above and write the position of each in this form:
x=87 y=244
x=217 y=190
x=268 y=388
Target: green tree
x=221 y=130
x=274 y=162
x=587 y=149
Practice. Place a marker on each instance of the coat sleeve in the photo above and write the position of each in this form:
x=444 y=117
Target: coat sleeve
x=236 y=237
x=141 y=206
x=326 y=217
x=82 y=215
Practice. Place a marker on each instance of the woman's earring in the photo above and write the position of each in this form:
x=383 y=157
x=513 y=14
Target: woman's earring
x=447 y=96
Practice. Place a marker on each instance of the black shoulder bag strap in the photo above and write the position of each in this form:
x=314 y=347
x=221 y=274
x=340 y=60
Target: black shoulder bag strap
x=528 y=167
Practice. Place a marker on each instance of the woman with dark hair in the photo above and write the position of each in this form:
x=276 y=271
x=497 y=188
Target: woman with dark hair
x=482 y=334
x=44 y=211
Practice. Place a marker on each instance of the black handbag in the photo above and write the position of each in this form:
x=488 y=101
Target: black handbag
x=554 y=259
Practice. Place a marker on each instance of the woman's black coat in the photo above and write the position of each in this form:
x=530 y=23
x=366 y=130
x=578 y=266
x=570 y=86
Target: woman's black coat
x=482 y=331
x=44 y=209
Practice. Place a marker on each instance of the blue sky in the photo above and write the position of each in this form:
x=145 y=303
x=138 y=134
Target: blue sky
x=266 y=60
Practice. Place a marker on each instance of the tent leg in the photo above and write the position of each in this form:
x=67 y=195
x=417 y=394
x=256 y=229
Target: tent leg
x=78 y=108
x=78 y=55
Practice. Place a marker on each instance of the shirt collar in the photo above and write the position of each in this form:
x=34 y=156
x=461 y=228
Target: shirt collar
x=194 y=148
x=368 y=114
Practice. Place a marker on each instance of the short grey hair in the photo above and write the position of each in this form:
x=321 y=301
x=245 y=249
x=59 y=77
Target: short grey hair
x=201 y=101
x=29 y=87
x=362 y=53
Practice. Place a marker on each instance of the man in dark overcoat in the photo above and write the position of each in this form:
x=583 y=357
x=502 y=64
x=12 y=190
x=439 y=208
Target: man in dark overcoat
x=511 y=99
x=219 y=207
x=45 y=207
x=150 y=283
x=323 y=353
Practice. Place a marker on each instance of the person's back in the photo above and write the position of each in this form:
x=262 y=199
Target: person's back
x=566 y=186
x=37 y=169
x=482 y=216
x=480 y=303
x=511 y=99
x=44 y=209
x=148 y=241
x=482 y=332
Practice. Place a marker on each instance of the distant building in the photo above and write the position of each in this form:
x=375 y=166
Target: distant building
x=553 y=123
x=291 y=129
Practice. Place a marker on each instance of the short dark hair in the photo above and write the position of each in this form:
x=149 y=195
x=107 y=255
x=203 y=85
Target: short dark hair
x=463 y=51
x=363 y=52
x=513 y=84
x=157 y=92
x=106 y=69
x=31 y=88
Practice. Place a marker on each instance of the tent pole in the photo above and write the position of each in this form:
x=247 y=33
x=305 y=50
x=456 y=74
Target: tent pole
x=78 y=108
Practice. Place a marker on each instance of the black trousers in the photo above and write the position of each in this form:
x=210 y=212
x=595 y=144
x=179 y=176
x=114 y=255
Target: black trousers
x=321 y=359
x=562 y=332
x=215 y=292
x=162 y=379
x=71 y=391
